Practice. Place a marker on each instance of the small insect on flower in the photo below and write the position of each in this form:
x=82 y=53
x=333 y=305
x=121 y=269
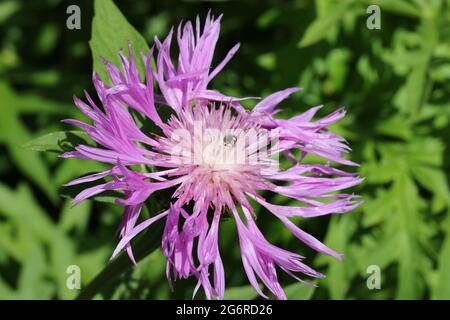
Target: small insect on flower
x=215 y=157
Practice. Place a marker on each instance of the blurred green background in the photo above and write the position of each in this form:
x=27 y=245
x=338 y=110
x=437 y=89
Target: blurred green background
x=394 y=83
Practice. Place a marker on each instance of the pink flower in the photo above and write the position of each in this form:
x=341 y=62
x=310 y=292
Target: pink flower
x=216 y=157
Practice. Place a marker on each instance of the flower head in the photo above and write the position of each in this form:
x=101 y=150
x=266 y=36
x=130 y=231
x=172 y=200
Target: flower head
x=215 y=158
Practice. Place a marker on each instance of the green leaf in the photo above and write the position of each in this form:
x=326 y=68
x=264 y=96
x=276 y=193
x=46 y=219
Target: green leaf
x=337 y=65
x=299 y=291
x=32 y=283
x=108 y=196
x=41 y=247
x=72 y=168
x=13 y=133
x=240 y=293
x=395 y=126
x=435 y=180
x=75 y=217
x=19 y=206
x=408 y=226
x=442 y=288
x=401 y=7
x=62 y=255
x=111 y=32
x=60 y=141
x=339 y=273
x=31 y=103
x=145 y=245
x=7 y=9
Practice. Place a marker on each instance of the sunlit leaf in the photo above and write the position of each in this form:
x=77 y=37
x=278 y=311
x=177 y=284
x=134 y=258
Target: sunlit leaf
x=240 y=293
x=299 y=291
x=111 y=32
x=321 y=27
x=61 y=141
x=442 y=288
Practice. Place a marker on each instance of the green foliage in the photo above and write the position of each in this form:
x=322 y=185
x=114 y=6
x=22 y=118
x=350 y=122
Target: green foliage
x=29 y=237
x=13 y=133
x=330 y=14
x=394 y=83
x=111 y=33
x=61 y=141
